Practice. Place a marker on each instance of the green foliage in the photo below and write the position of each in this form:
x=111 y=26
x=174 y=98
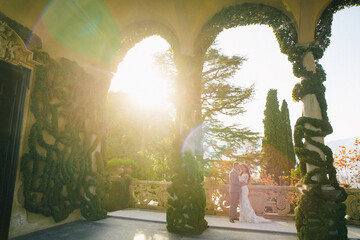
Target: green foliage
x=140 y=134
x=119 y=166
x=138 y=31
x=58 y=173
x=272 y=119
x=186 y=210
x=248 y=14
x=118 y=162
x=221 y=98
x=316 y=211
x=323 y=27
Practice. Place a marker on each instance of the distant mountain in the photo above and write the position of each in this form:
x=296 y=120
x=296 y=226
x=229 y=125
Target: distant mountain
x=347 y=142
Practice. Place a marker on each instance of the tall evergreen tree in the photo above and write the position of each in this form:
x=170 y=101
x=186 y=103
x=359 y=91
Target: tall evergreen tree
x=288 y=140
x=274 y=146
x=219 y=98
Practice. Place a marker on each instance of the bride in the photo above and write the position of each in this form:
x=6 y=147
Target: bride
x=247 y=213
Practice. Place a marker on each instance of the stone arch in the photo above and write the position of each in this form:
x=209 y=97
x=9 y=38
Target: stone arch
x=247 y=14
x=283 y=25
x=320 y=184
x=190 y=69
x=136 y=32
x=323 y=27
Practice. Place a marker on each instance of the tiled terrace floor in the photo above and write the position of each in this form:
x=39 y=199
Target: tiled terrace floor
x=136 y=224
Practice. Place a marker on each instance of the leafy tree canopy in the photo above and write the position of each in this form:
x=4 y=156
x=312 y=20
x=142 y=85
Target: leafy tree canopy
x=220 y=99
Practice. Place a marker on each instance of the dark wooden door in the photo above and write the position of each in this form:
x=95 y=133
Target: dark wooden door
x=14 y=82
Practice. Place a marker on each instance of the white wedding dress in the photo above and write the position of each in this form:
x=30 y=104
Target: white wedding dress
x=247 y=213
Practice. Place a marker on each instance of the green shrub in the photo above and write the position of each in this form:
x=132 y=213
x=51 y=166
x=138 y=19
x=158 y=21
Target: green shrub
x=120 y=166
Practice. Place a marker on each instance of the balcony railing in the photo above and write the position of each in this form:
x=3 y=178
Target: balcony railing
x=272 y=201
x=265 y=199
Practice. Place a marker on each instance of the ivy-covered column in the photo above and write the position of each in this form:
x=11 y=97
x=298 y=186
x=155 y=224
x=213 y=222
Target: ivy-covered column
x=320 y=212
x=186 y=211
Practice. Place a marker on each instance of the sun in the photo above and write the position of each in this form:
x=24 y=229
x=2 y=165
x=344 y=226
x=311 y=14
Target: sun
x=140 y=77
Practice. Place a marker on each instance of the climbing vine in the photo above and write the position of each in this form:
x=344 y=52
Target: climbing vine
x=59 y=175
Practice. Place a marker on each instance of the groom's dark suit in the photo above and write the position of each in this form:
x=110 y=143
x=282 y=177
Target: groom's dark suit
x=234 y=190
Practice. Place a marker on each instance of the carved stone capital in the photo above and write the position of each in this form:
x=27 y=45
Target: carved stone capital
x=13 y=49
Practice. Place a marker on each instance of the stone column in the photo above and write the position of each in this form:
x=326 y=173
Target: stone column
x=311 y=108
x=320 y=212
x=186 y=208
x=188 y=101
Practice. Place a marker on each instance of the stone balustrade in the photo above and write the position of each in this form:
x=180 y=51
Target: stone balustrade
x=265 y=199
x=272 y=201
x=149 y=194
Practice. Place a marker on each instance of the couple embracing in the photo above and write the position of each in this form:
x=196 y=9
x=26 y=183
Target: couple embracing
x=239 y=177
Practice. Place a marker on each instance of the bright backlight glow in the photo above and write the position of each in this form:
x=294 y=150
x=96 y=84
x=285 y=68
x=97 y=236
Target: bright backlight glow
x=140 y=77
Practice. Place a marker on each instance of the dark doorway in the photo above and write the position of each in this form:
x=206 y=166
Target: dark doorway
x=14 y=83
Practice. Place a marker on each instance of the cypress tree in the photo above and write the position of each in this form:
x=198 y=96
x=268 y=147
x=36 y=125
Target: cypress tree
x=288 y=141
x=273 y=143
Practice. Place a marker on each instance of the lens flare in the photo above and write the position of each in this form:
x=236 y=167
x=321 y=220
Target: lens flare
x=85 y=27
x=193 y=141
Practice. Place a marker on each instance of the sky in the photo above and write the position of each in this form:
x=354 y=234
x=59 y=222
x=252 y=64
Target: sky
x=268 y=68
x=139 y=76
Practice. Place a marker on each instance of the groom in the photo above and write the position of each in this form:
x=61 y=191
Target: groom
x=235 y=190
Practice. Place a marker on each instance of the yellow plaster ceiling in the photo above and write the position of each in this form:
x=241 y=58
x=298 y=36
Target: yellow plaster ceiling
x=90 y=30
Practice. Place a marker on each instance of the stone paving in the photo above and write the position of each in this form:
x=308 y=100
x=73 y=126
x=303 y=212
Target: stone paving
x=285 y=227
x=137 y=224
x=113 y=228
x=278 y=226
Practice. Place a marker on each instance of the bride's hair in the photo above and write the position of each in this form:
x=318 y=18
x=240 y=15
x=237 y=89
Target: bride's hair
x=247 y=171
